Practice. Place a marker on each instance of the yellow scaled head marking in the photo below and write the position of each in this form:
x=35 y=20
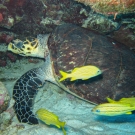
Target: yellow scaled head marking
x=25 y=48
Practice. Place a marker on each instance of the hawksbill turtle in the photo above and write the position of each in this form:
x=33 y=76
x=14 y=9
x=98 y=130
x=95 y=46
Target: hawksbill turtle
x=67 y=47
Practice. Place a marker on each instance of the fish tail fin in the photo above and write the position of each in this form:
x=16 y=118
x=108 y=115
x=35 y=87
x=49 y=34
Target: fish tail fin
x=64 y=131
x=64 y=75
x=62 y=124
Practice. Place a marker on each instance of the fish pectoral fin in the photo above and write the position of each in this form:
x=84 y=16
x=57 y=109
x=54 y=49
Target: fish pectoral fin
x=72 y=79
x=129 y=113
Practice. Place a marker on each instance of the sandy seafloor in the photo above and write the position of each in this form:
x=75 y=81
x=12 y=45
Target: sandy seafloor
x=75 y=112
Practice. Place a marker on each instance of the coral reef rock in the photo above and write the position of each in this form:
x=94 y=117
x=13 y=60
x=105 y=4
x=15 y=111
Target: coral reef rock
x=4 y=98
x=110 y=6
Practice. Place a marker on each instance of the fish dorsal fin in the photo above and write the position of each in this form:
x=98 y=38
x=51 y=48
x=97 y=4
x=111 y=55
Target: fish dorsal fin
x=129 y=113
x=123 y=99
x=110 y=100
x=128 y=104
x=127 y=99
x=74 y=69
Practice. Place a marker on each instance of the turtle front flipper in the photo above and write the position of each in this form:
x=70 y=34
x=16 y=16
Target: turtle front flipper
x=26 y=88
x=24 y=92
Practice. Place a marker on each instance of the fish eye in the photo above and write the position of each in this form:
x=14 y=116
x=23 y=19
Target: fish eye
x=97 y=110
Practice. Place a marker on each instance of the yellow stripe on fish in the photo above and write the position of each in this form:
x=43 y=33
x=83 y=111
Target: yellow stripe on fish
x=83 y=73
x=113 y=109
x=50 y=119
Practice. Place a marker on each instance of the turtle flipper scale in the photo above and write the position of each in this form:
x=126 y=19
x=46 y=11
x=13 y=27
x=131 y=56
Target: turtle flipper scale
x=24 y=92
x=25 y=115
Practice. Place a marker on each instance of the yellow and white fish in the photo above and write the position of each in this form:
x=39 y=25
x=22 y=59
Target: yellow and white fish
x=130 y=101
x=50 y=119
x=113 y=109
x=83 y=73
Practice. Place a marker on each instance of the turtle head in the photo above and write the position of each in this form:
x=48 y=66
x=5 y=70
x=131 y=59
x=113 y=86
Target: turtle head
x=33 y=47
x=26 y=48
